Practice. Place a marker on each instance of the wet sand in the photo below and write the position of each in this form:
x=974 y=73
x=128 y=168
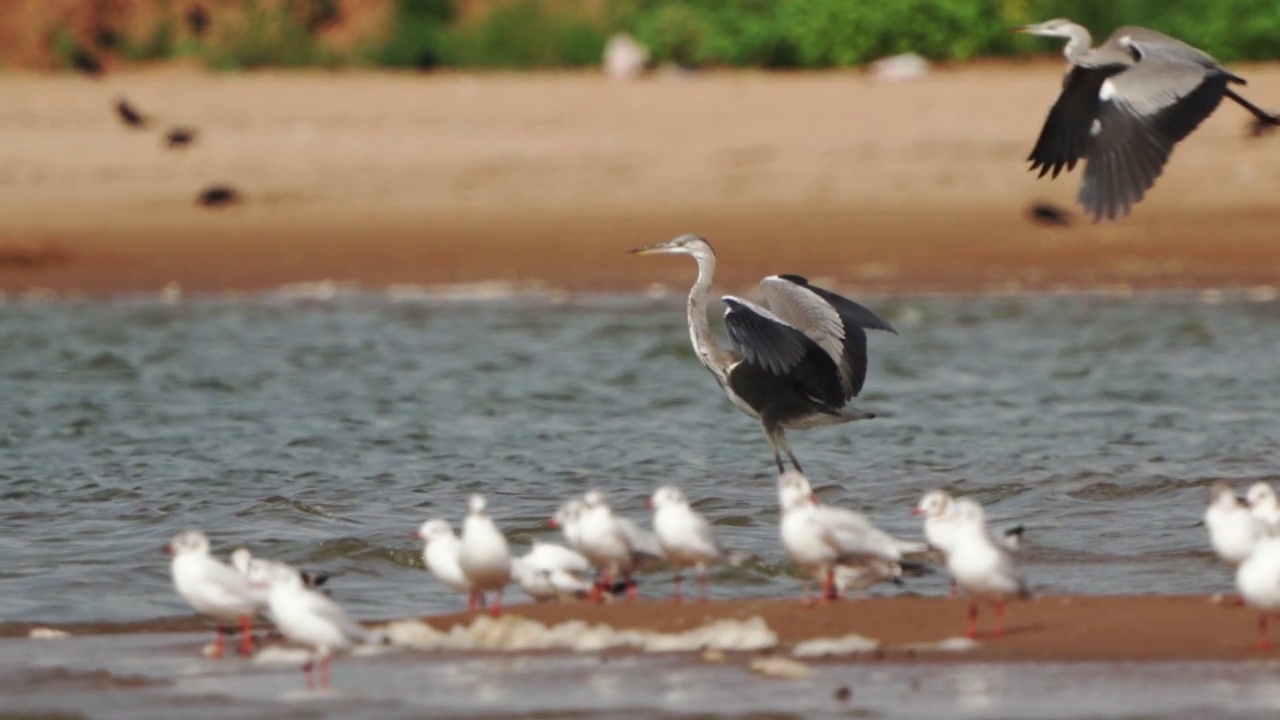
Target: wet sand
x=1050 y=628
x=380 y=179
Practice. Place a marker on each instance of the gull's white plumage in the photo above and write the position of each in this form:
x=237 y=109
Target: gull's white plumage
x=684 y=536
x=440 y=549
x=1264 y=506
x=568 y=519
x=483 y=556
x=1233 y=528
x=819 y=538
x=308 y=617
x=552 y=572
x=613 y=544
x=212 y=588
x=1258 y=580
x=980 y=565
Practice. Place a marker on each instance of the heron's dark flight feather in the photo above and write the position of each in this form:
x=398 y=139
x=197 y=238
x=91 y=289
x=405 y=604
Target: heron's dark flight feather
x=783 y=351
x=1130 y=152
x=853 y=318
x=1064 y=139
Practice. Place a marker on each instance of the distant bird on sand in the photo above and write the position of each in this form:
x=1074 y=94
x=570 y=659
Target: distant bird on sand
x=1124 y=105
x=86 y=62
x=131 y=116
x=218 y=196
x=180 y=137
x=198 y=19
x=794 y=365
x=1049 y=215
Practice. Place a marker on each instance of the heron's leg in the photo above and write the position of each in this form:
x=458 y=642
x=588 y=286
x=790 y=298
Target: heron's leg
x=771 y=432
x=786 y=445
x=1254 y=110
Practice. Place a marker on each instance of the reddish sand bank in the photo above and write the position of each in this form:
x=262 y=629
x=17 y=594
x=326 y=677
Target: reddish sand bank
x=1144 y=628
x=378 y=179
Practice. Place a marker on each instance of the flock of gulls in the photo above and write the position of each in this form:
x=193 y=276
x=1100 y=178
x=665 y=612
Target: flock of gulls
x=837 y=547
x=793 y=365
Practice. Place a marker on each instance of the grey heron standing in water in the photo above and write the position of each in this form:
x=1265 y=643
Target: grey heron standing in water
x=1124 y=105
x=793 y=366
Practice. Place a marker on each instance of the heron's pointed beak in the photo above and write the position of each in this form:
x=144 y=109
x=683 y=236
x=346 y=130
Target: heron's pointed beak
x=1021 y=29
x=650 y=249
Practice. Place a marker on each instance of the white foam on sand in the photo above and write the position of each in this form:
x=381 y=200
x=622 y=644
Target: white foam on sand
x=515 y=634
x=828 y=647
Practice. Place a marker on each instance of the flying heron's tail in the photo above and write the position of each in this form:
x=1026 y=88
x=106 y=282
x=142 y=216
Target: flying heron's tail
x=1264 y=118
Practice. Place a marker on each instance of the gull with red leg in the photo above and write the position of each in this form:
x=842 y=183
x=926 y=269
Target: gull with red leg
x=982 y=567
x=213 y=588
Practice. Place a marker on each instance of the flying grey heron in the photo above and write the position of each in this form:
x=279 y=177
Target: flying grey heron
x=793 y=366
x=1124 y=105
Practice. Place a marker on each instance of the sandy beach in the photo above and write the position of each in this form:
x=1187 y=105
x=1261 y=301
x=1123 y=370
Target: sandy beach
x=1049 y=628
x=380 y=179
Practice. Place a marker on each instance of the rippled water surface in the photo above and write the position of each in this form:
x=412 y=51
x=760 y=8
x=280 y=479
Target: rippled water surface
x=323 y=431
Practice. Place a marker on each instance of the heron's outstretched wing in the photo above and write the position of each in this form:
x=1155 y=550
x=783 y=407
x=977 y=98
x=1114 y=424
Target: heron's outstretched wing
x=1064 y=139
x=834 y=322
x=1142 y=113
x=779 y=348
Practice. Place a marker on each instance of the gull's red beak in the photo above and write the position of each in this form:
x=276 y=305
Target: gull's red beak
x=417 y=535
x=552 y=523
x=649 y=503
x=916 y=511
x=168 y=549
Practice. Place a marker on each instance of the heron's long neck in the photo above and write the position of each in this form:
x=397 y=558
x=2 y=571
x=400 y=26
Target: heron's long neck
x=704 y=343
x=1078 y=45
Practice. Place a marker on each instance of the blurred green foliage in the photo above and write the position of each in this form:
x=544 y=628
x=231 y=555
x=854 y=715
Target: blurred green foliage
x=812 y=33
x=740 y=33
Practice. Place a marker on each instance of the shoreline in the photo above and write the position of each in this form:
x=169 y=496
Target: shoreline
x=1054 y=628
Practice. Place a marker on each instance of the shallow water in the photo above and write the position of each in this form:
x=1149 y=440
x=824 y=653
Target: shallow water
x=323 y=430
x=158 y=676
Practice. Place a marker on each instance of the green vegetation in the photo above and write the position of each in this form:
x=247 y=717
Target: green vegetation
x=738 y=33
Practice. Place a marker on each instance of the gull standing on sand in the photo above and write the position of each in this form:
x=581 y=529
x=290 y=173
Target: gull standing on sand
x=1233 y=528
x=685 y=536
x=1258 y=580
x=213 y=588
x=1264 y=506
x=552 y=572
x=440 y=548
x=981 y=566
x=819 y=538
x=307 y=617
x=615 y=545
x=483 y=556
